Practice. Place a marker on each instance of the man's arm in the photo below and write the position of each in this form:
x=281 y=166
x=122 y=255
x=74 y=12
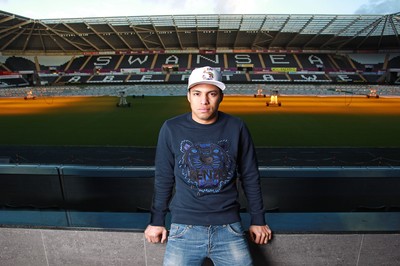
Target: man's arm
x=164 y=178
x=163 y=186
x=260 y=233
x=250 y=177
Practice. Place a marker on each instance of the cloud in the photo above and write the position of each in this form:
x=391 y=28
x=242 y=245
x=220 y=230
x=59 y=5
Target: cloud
x=235 y=6
x=379 y=7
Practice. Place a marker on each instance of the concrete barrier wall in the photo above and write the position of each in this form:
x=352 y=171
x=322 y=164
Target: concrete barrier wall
x=285 y=189
x=38 y=247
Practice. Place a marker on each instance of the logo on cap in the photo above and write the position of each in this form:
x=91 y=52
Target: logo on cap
x=208 y=74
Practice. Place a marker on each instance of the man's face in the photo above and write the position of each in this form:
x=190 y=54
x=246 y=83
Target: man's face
x=204 y=101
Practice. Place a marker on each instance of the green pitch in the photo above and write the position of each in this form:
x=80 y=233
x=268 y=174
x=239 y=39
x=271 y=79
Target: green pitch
x=97 y=121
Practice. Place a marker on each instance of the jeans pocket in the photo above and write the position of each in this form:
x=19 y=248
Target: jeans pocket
x=177 y=230
x=236 y=229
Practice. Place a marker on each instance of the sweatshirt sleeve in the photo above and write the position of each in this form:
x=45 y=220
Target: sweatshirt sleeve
x=250 y=177
x=164 y=177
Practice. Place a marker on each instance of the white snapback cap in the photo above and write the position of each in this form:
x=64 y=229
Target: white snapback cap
x=206 y=75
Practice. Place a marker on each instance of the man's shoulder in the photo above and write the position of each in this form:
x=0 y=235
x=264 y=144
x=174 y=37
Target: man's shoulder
x=177 y=119
x=230 y=118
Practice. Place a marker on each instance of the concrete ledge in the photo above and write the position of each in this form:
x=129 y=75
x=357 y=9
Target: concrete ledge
x=289 y=223
x=37 y=247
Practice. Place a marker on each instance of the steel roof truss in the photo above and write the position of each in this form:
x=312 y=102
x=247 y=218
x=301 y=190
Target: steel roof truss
x=19 y=25
x=300 y=32
x=319 y=32
x=99 y=35
x=62 y=37
x=158 y=36
x=374 y=26
x=119 y=36
x=12 y=39
x=332 y=40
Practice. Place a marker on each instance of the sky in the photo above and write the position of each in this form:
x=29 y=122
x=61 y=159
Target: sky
x=50 y=9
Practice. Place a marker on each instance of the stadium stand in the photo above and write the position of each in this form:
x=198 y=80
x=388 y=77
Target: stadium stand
x=146 y=78
x=309 y=77
x=8 y=81
x=107 y=78
x=76 y=64
x=48 y=79
x=341 y=62
x=344 y=77
x=316 y=62
x=171 y=62
x=74 y=78
x=269 y=77
x=103 y=63
x=136 y=62
x=237 y=67
x=158 y=89
x=234 y=77
x=394 y=61
x=212 y=59
x=369 y=63
x=245 y=61
x=275 y=62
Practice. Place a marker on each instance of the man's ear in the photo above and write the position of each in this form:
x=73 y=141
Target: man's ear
x=188 y=95
x=222 y=97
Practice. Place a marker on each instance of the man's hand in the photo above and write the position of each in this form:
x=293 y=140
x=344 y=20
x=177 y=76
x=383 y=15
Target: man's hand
x=155 y=234
x=260 y=234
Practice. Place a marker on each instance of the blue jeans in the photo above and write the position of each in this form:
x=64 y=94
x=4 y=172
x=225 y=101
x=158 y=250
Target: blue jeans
x=189 y=245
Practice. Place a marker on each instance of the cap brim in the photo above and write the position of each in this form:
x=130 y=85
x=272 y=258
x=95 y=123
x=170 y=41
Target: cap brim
x=212 y=82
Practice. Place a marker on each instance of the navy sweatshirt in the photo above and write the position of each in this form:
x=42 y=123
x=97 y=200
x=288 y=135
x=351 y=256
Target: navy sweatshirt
x=203 y=162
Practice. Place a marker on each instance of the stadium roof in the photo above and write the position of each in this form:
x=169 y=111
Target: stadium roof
x=21 y=35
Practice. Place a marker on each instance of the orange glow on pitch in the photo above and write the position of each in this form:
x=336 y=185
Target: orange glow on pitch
x=230 y=104
x=18 y=106
x=312 y=104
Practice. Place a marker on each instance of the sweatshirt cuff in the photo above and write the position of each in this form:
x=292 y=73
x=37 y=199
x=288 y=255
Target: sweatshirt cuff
x=258 y=219
x=157 y=220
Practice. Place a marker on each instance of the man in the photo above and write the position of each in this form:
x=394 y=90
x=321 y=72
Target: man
x=200 y=154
